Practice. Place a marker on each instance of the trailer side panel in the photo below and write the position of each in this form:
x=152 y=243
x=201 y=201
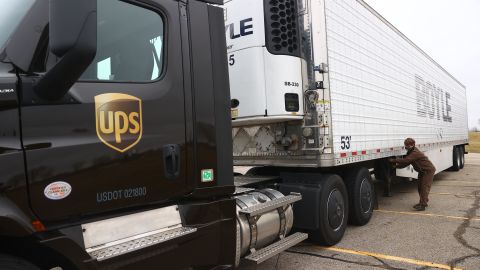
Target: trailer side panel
x=384 y=88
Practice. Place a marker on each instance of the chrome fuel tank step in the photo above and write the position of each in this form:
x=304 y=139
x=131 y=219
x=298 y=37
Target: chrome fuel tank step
x=265 y=217
x=263 y=208
x=268 y=252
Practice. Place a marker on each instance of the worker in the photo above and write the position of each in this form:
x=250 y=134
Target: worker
x=422 y=165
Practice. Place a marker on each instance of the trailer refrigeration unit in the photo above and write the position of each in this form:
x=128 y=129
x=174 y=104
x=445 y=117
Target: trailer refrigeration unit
x=115 y=147
x=323 y=92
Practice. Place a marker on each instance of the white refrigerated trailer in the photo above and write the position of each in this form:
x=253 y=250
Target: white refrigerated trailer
x=323 y=92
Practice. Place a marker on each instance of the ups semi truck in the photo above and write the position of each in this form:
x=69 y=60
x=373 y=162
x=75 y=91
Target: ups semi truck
x=116 y=149
x=115 y=141
x=323 y=93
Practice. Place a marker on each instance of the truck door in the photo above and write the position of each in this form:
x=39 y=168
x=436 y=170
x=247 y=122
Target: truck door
x=118 y=139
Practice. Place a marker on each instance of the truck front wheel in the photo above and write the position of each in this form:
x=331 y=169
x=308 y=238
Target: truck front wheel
x=360 y=194
x=333 y=211
x=8 y=262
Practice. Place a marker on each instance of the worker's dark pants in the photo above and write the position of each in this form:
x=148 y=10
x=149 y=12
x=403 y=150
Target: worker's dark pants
x=425 y=180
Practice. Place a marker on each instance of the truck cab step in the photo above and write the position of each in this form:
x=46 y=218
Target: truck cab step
x=271 y=205
x=110 y=251
x=268 y=252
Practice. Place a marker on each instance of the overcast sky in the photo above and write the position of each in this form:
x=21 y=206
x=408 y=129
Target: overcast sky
x=447 y=30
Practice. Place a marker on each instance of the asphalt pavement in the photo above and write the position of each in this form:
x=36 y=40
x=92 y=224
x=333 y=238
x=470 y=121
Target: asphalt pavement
x=445 y=236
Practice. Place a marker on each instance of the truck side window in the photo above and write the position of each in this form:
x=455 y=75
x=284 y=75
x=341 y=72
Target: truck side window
x=129 y=44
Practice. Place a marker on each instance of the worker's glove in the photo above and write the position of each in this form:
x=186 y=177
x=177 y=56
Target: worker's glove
x=393 y=162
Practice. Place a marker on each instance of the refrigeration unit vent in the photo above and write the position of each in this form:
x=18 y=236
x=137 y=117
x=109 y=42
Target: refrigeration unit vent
x=281 y=27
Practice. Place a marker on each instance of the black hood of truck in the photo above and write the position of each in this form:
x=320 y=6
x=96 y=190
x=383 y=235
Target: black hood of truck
x=7 y=70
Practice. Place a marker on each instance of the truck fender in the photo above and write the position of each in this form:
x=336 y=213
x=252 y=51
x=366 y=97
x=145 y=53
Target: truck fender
x=13 y=221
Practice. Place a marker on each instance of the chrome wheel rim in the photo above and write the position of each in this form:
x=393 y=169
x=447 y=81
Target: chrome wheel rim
x=365 y=196
x=335 y=209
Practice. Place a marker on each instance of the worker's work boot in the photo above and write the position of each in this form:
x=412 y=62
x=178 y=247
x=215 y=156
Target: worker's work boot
x=419 y=207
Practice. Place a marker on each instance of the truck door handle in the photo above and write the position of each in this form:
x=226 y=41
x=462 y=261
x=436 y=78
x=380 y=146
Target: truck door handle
x=171 y=160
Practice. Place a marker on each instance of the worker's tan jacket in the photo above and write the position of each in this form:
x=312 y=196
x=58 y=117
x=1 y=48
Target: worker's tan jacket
x=418 y=160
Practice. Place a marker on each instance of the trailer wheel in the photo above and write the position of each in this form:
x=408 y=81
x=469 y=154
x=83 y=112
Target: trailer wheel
x=8 y=262
x=456 y=159
x=333 y=211
x=361 y=195
x=462 y=156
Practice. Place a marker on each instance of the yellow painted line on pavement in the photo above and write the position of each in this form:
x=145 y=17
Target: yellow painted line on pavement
x=443 y=193
x=425 y=214
x=460 y=186
x=451 y=194
x=390 y=258
x=455 y=182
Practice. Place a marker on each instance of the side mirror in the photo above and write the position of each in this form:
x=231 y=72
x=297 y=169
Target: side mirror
x=73 y=38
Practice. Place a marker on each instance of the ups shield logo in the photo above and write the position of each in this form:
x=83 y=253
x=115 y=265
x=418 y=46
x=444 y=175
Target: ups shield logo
x=118 y=120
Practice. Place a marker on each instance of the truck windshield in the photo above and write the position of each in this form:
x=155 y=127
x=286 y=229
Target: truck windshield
x=11 y=13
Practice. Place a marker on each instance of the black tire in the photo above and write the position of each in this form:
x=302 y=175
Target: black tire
x=462 y=156
x=8 y=262
x=333 y=211
x=361 y=195
x=456 y=160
